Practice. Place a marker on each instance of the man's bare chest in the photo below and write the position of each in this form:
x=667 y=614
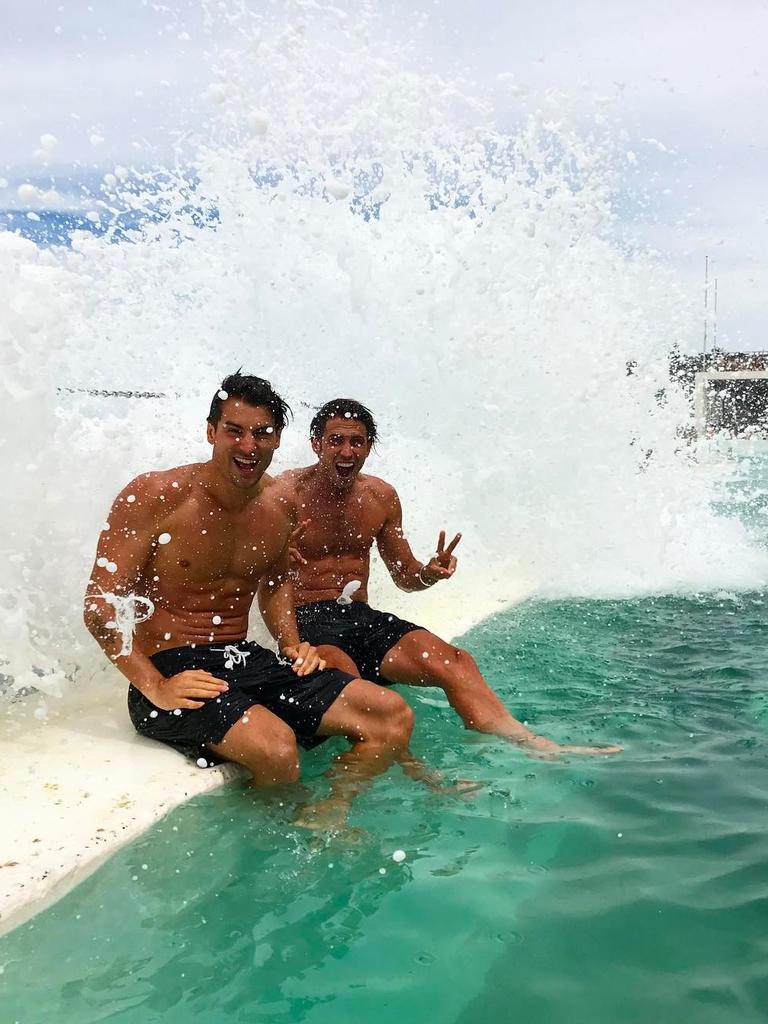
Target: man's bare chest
x=340 y=528
x=196 y=551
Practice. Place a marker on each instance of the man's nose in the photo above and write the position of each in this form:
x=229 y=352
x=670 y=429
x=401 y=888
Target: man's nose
x=347 y=451
x=248 y=444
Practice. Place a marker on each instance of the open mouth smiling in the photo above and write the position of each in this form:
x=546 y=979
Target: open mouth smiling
x=245 y=466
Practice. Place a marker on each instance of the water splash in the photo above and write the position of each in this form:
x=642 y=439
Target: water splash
x=349 y=590
x=130 y=610
x=375 y=235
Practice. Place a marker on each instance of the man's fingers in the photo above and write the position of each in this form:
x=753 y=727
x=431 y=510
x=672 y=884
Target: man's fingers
x=193 y=705
x=204 y=680
x=303 y=663
x=200 y=675
x=452 y=545
x=299 y=531
x=200 y=692
x=296 y=556
x=441 y=542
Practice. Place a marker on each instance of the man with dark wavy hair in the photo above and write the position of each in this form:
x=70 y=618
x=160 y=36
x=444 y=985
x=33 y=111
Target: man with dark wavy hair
x=191 y=548
x=343 y=512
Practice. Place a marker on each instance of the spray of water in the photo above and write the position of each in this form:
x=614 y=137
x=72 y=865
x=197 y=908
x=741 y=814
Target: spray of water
x=371 y=235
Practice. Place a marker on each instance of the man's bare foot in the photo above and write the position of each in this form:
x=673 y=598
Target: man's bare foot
x=328 y=815
x=540 y=746
x=459 y=787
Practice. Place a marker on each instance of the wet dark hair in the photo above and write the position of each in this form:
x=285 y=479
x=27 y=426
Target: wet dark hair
x=347 y=408
x=252 y=391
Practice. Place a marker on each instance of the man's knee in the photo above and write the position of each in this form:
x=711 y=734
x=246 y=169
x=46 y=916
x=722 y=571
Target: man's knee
x=393 y=723
x=452 y=667
x=270 y=754
x=281 y=758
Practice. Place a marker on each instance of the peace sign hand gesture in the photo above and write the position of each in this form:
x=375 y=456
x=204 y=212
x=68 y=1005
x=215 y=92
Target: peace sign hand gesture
x=442 y=565
x=294 y=553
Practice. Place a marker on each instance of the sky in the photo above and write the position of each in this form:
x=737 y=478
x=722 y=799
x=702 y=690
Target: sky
x=115 y=81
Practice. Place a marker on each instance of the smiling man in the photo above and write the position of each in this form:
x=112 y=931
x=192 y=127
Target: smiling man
x=343 y=513
x=193 y=546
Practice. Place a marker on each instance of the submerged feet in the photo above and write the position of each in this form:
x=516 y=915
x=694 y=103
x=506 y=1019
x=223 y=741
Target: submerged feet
x=328 y=815
x=540 y=746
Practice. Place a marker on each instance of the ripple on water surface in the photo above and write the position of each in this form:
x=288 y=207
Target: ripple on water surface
x=632 y=888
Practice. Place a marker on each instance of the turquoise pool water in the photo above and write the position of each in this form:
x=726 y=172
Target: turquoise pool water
x=632 y=888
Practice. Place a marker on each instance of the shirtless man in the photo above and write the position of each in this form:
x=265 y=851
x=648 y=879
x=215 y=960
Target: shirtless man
x=343 y=512
x=193 y=546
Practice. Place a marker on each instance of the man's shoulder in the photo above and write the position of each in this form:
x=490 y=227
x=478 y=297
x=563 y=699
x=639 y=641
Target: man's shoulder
x=159 y=487
x=291 y=479
x=276 y=491
x=378 y=488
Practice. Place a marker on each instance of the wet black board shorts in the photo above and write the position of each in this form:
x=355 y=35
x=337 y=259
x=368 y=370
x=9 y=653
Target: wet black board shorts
x=255 y=676
x=357 y=629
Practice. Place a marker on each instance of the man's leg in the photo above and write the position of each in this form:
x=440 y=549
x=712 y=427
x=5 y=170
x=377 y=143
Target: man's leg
x=412 y=766
x=421 y=658
x=378 y=723
x=264 y=745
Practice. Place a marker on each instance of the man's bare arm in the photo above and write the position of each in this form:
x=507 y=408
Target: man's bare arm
x=122 y=553
x=407 y=572
x=278 y=609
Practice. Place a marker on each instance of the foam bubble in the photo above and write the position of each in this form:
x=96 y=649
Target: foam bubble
x=258 y=122
x=28 y=193
x=338 y=189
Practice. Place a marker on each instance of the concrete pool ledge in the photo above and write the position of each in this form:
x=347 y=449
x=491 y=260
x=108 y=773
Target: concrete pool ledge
x=74 y=788
x=79 y=784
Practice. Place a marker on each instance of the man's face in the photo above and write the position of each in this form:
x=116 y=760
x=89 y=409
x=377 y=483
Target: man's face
x=244 y=441
x=342 y=451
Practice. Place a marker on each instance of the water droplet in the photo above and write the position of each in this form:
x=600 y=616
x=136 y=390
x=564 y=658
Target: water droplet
x=164 y=538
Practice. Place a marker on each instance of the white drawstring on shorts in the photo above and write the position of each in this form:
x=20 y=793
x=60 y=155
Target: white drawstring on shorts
x=232 y=656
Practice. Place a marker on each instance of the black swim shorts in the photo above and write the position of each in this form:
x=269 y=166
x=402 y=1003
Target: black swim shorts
x=357 y=629
x=255 y=676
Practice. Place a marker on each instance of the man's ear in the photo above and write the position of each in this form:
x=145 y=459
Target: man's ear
x=210 y=432
x=315 y=442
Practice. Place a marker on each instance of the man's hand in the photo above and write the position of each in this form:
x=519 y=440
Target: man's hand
x=305 y=659
x=294 y=553
x=188 y=689
x=442 y=565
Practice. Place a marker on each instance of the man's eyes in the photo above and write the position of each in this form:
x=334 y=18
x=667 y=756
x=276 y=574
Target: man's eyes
x=258 y=434
x=336 y=441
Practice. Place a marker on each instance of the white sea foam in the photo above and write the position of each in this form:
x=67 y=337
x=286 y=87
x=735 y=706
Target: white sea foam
x=468 y=288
